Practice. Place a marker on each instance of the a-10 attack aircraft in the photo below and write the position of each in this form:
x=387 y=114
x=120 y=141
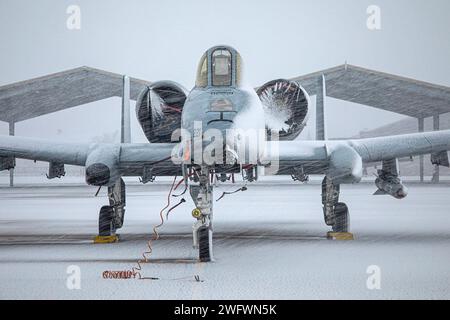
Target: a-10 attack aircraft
x=227 y=127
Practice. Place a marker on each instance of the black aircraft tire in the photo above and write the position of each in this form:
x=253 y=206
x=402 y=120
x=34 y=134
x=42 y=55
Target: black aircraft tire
x=342 y=218
x=205 y=244
x=106 y=221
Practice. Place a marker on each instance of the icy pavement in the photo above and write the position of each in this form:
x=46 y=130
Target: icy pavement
x=269 y=244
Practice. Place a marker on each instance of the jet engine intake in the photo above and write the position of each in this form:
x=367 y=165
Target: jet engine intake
x=285 y=105
x=158 y=110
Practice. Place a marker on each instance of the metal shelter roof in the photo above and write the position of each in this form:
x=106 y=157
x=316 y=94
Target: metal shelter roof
x=35 y=97
x=380 y=90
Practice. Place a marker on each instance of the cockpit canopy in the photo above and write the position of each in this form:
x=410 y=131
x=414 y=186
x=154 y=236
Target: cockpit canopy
x=219 y=67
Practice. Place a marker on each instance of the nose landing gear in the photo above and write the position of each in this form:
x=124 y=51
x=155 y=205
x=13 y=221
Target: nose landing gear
x=202 y=230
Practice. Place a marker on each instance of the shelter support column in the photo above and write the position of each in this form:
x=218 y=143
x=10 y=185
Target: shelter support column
x=421 y=124
x=125 y=135
x=320 y=108
x=435 y=178
x=11 y=171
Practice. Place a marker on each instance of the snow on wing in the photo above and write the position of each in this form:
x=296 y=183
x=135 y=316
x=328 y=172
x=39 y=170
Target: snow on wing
x=44 y=150
x=314 y=157
x=130 y=158
x=385 y=148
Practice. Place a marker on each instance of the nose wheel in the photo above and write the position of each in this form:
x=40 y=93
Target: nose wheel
x=203 y=235
x=205 y=244
x=202 y=229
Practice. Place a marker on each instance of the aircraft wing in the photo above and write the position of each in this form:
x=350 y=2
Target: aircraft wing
x=128 y=159
x=43 y=150
x=318 y=157
x=407 y=145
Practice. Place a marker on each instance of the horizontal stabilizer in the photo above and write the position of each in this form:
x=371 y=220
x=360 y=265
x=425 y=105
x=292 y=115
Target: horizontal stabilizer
x=379 y=193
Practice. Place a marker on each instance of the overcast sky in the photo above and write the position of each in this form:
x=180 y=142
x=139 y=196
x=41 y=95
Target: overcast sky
x=164 y=39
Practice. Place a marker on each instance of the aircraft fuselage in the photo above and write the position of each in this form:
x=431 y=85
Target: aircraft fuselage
x=228 y=117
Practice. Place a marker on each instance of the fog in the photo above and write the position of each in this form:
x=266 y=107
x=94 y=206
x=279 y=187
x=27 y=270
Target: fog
x=156 y=40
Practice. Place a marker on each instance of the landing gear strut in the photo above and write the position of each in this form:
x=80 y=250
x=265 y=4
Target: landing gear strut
x=111 y=217
x=335 y=213
x=202 y=195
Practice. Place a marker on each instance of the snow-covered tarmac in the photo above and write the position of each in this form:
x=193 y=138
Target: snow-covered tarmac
x=269 y=244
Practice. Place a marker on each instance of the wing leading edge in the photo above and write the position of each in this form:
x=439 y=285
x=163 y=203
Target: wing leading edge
x=316 y=157
x=129 y=159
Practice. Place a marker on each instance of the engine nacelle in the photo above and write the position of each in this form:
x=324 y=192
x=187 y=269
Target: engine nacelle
x=286 y=107
x=102 y=165
x=345 y=164
x=158 y=110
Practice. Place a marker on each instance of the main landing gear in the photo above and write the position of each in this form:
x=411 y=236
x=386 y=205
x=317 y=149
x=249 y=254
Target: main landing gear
x=202 y=195
x=335 y=213
x=111 y=217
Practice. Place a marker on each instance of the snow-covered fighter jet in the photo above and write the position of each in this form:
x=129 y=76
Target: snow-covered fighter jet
x=222 y=127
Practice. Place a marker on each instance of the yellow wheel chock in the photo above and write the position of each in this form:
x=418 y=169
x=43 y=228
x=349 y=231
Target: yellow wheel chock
x=340 y=235
x=106 y=239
